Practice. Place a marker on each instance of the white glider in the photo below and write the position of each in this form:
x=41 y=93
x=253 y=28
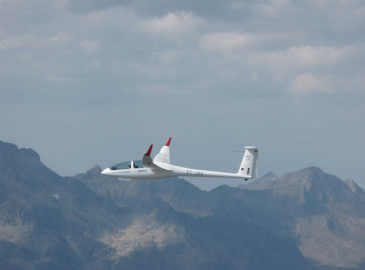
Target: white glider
x=160 y=167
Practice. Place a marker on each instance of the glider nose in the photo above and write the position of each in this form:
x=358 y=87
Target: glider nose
x=106 y=171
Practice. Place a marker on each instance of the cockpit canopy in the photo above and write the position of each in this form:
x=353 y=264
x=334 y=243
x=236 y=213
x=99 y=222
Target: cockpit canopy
x=127 y=165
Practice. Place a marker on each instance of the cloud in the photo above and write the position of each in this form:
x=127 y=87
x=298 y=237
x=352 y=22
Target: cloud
x=54 y=78
x=308 y=57
x=89 y=6
x=53 y=71
x=33 y=41
x=180 y=46
x=173 y=23
x=116 y=55
x=225 y=41
x=276 y=8
x=60 y=37
x=92 y=66
x=306 y=84
x=60 y=4
x=354 y=84
x=342 y=14
x=25 y=56
x=89 y=46
x=14 y=42
x=166 y=89
x=169 y=57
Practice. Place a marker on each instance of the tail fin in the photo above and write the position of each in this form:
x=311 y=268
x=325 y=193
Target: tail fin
x=249 y=164
x=164 y=155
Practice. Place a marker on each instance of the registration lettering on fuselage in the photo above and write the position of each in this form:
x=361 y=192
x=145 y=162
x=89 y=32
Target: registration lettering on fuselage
x=194 y=172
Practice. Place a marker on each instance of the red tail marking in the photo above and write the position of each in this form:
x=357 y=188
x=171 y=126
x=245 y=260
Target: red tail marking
x=168 y=142
x=149 y=151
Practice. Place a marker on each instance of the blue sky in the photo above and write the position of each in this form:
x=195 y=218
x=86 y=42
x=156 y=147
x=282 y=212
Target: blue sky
x=91 y=82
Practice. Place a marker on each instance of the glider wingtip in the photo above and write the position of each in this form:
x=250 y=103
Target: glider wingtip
x=168 y=142
x=149 y=151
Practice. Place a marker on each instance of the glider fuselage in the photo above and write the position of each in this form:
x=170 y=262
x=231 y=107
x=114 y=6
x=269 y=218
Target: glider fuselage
x=160 y=167
x=168 y=171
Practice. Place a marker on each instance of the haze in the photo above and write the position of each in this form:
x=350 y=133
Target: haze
x=90 y=82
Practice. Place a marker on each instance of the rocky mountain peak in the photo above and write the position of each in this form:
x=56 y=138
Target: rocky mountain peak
x=93 y=221
x=311 y=192
x=93 y=172
x=270 y=176
x=8 y=147
x=358 y=191
x=12 y=149
x=352 y=185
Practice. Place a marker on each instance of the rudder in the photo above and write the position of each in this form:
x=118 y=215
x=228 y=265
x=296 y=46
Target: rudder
x=249 y=164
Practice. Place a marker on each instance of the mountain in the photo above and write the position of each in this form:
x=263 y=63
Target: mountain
x=360 y=193
x=261 y=183
x=323 y=215
x=47 y=221
x=180 y=194
x=302 y=220
x=328 y=215
x=94 y=222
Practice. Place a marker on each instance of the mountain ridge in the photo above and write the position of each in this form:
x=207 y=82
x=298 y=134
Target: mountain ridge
x=53 y=222
x=91 y=221
x=308 y=206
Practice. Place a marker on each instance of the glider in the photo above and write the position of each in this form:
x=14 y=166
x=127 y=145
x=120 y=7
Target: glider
x=160 y=167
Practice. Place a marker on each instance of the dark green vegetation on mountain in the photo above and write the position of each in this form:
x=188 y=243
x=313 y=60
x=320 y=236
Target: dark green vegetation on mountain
x=299 y=221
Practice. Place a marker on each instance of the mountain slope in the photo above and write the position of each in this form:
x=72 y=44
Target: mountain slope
x=53 y=222
x=321 y=213
x=47 y=221
x=328 y=216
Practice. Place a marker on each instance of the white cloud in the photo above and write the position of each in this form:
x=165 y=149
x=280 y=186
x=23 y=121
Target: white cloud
x=354 y=84
x=94 y=65
x=89 y=46
x=169 y=57
x=60 y=37
x=172 y=23
x=166 y=89
x=342 y=14
x=6 y=2
x=306 y=84
x=25 y=56
x=254 y=77
x=53 y=71
x=225 y=41
x=154 y=70
x=32 y=41
x=308 y=57
x=303 y=59
x=14 y=42
x=276 y=8
x=60 y=4
x=54 y=78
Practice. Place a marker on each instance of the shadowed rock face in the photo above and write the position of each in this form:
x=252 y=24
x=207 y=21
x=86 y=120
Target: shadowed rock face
x=328 y=215
x=95 y=222
x=92 y=221
x=321 y=213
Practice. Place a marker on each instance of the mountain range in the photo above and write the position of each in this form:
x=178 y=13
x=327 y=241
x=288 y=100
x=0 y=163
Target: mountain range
x=303 y=220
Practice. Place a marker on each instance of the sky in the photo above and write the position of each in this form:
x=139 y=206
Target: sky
x=87 y=83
